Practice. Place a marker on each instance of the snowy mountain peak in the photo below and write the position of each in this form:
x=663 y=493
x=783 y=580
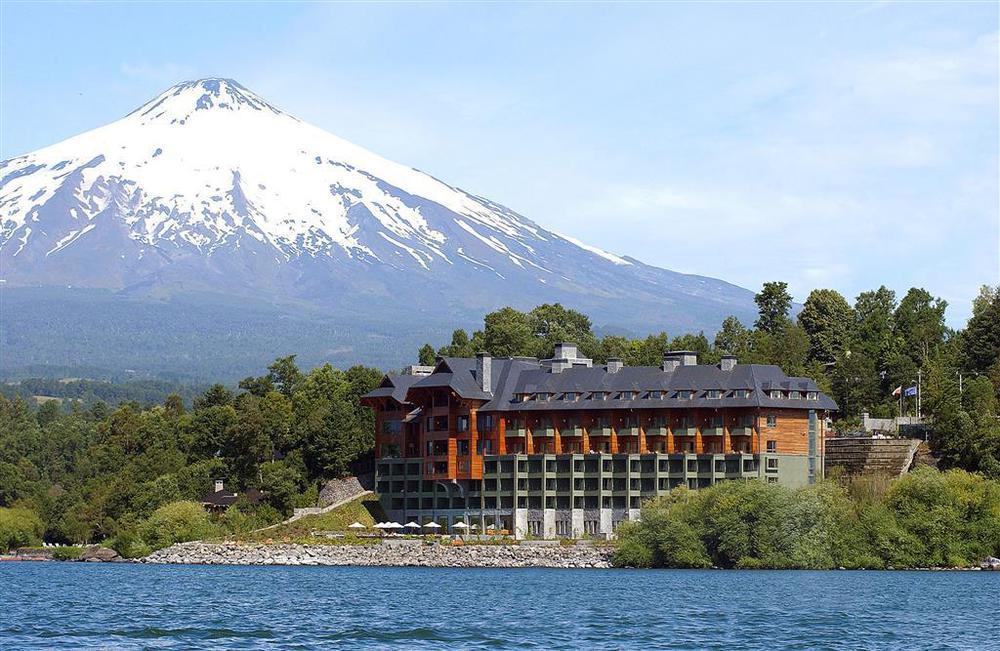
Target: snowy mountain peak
x=178 y=103
x=208 y=186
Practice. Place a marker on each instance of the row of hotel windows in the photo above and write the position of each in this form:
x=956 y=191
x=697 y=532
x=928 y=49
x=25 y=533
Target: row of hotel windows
x=517 y=426
x=709 y=394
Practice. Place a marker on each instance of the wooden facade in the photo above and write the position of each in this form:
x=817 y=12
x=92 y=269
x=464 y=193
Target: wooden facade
x=451 y=435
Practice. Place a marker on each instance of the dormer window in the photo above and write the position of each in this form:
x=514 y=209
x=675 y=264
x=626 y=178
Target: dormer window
x=812 y=395
x=599 y=395
x=684 y=395
x=776 y=395
x=713 y=394
x=627 y=395
x=794 y=395
x=542 y=397
x=656 y=395
x=570 y=395
x=741 y=393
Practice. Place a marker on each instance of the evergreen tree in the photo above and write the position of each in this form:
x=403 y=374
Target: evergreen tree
x=827 y=319
x=773 y=302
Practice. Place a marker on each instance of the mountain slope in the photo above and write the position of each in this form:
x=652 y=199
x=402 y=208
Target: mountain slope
x=209 y=188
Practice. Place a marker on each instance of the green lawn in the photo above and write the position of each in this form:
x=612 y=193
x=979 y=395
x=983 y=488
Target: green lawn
x=367 y=510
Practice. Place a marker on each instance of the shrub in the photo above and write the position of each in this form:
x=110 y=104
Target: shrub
x=19 y=528
x=926 y=518
x=67 y=553
x=176 y=522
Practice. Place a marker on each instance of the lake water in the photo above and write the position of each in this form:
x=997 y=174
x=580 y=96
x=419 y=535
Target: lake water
x=74 y=605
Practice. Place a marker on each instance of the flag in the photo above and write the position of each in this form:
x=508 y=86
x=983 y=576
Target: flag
x=898 y=390
x=912 y=391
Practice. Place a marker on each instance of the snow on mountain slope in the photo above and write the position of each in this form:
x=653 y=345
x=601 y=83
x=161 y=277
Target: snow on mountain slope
x=209 y=186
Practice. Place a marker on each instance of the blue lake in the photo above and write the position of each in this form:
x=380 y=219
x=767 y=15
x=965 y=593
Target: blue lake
x=74 y=605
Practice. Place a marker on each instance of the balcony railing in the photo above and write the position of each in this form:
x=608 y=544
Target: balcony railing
x=572 y=431
x=685 y=431
x=713 y=431
x=742 y=430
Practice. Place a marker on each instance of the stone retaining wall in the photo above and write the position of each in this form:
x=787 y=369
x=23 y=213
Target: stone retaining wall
x=403 y=555
x=870 y=456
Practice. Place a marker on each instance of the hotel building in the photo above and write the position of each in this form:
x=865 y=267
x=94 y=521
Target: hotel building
x=562 y=448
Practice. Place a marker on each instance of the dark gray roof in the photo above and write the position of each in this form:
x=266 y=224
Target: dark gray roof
x=395 y=387
x=526 y=376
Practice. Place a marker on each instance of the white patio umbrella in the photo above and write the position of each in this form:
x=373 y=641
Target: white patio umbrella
x=411 y=525
x=380 y=525
x=473 y=526
x=393 y=525
x=459 y=525
x=356 y=525
x=492 y=526
x=432 y=525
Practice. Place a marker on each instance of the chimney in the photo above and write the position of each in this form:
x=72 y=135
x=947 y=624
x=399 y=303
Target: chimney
x=218 y=486
x=728 y=362
x=565 y=351
x=670 y=362
x=614 y=365
x=484 y=371
x=684 y=357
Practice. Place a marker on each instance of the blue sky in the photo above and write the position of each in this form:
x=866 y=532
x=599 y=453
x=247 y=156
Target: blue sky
x=842 y=145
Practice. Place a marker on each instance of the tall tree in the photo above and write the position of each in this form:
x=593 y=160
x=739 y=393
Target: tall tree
x=773 y=302
x=553 y=323
x=981 y=337
x=426 y=355
x=827 y=319
x=919 y=323
x=507 y=333
x=733 y=338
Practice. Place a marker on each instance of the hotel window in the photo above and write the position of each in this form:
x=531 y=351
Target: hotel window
x=684 y=395
x=484 y=422
x=570 y=395
x=535 y=528
x=463 y=448
x=713 y=394
x=627 y=395
x=741 y=393
x=599 y=395
x=776 y=395
x=463 y=423
x=772 y=464
x=812 y=395
x=794 y=395
x=772 y=420
x=564 y=528
x=656 y=395
x=772 y=446
x=542 y=396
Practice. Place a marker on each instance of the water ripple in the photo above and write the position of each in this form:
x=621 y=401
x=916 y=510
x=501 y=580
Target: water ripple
x=73 y=605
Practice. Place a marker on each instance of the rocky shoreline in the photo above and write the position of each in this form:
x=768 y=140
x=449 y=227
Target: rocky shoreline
x=397 y=555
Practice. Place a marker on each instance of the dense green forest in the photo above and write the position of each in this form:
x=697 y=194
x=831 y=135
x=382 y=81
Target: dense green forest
x=924 y=519
x=145 y=392
x=858 y=354
x=76 y=475
x=74 y=472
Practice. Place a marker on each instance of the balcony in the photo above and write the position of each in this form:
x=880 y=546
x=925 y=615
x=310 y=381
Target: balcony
x=572 y=431
x=713 y=431
x=628 y=431
x=742 y=430
x=543 y=432
x=517 y=433
x=685 y=431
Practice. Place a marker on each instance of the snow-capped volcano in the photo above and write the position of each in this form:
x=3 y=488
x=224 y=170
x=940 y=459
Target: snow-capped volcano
x=208 y=186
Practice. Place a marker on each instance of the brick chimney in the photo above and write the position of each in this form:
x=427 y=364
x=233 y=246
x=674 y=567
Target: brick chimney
x=219 y=486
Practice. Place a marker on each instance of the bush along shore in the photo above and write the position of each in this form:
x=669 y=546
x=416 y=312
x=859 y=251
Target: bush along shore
x=926 y=519
x=398 y=554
